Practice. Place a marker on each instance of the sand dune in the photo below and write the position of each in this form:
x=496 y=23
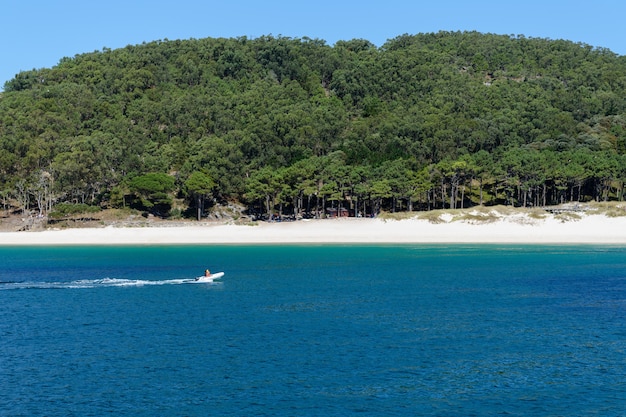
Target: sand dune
x=519 y=228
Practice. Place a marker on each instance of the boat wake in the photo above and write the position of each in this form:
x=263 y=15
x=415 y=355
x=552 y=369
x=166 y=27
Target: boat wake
x=97 y=283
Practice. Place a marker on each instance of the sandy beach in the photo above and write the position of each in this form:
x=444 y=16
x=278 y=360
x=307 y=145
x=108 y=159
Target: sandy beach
x=518 y=228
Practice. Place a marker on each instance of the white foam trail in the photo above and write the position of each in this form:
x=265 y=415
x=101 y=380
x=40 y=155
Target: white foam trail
x=97 y=283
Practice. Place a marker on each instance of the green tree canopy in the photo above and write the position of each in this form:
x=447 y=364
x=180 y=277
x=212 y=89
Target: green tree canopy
x=198 y=186
x=266 y=120
x=152 y=192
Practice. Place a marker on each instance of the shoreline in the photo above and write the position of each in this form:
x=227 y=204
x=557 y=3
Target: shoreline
x=588 y=229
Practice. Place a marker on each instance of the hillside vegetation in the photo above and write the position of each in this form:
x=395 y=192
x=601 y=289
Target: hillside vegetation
x=295 y=126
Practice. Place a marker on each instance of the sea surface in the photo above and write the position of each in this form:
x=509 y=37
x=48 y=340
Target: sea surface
x=323 y=330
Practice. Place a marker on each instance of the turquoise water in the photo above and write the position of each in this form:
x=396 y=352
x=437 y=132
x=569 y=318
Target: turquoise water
x=323 y=330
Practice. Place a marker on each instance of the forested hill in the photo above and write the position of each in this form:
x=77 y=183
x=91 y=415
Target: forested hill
x=435 y=120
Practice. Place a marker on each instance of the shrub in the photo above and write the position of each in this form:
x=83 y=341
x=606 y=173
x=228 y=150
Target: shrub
x=62 y=210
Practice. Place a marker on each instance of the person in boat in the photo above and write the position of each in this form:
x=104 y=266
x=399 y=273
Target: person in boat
x=207 y=274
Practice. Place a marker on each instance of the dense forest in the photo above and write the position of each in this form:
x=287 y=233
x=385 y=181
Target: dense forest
x=297 y=127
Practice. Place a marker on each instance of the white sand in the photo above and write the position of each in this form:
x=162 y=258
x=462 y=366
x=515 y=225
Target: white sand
x=591 y=229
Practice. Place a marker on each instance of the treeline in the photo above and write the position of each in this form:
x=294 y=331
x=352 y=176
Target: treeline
x=295 y=126
x=523 y=177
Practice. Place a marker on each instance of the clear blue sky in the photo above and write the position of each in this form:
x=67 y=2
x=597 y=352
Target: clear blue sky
x=38 y=33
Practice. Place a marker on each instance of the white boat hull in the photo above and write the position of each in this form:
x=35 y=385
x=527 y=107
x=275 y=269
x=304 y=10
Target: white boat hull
x=210 y=278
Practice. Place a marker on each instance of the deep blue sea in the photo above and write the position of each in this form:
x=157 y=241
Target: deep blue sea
x=325 y=330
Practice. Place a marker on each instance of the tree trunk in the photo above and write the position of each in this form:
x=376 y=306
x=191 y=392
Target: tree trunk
x=317 y=206
x=452 y=195
x=443 y=195
x=267 y=205
x=480 y=191
x=462 y=197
